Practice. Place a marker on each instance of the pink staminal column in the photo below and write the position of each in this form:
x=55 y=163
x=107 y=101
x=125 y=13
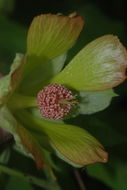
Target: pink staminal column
x=55 y=101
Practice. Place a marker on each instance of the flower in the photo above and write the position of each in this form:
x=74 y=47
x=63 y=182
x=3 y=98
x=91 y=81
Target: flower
x=37 y=79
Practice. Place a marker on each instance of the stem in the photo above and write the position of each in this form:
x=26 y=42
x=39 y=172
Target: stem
x=79 y=180
x=18 y=101
x=49 y=178
x=30 y=179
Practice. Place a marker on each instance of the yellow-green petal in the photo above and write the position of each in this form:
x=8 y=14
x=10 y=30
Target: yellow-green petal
x=76 y=145
x=73 y=144
x=51 y=35
x=100 y=65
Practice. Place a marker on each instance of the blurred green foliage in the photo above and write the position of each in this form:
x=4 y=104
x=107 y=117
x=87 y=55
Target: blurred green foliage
x=14 y=182
x=12 y=40
x=7 y=5
x=108 y=126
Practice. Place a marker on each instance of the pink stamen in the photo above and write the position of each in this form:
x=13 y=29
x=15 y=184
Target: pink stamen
x=50 y=100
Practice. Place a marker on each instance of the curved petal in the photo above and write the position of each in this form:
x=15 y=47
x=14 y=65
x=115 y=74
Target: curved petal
x=92 y=102
x=76 y=145
x=31 y=84
x=51 y=35
x=100 y=65
x=73 y=144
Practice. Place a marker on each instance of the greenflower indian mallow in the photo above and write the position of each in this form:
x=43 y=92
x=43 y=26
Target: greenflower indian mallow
x=38 y=83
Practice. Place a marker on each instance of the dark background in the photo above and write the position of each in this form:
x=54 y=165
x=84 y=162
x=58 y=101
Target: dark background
x=109 y=126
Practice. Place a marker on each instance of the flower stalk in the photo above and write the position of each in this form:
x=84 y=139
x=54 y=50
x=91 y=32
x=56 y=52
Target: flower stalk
x=18 y=101
x=46 y=184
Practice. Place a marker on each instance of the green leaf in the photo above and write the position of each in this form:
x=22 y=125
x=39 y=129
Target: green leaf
x=9 y=82
x=92 y=102
x=76 y=145
x=100 y=65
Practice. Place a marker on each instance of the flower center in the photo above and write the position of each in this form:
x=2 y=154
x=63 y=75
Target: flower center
x=55 y=101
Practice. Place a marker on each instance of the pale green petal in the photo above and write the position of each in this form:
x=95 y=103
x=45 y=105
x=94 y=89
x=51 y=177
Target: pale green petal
x=35 y=80
x=92 y=102
x=100 y=65
x=51 y=35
